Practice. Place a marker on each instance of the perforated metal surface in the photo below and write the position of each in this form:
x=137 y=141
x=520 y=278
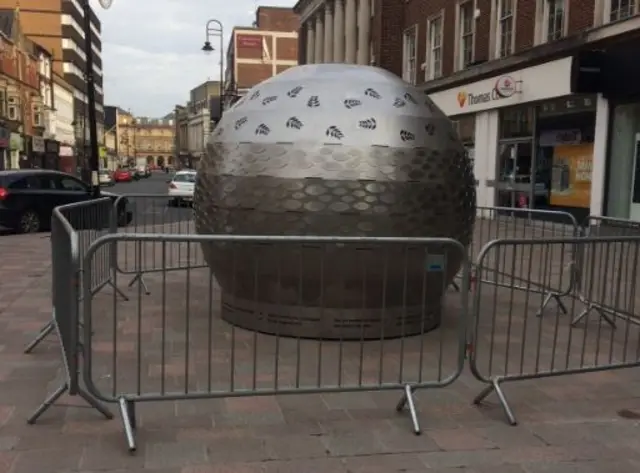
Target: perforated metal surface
x=332 y=150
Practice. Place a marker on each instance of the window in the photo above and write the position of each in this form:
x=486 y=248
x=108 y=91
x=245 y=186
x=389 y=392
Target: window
x=505 y=28
x=29 y=182
x=434 y=48
x=409 y=54
x=554 y=19
x=622 y=9
x=70 y=184
x=465 y=31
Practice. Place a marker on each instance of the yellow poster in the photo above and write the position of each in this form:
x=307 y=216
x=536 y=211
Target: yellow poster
x=571 y=175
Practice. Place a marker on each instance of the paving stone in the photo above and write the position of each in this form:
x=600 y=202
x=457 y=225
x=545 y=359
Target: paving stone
x=175 y=454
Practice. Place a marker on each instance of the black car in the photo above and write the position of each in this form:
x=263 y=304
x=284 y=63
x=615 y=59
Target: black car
x=28 y=197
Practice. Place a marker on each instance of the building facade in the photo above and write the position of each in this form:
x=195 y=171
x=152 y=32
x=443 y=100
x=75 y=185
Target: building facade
x=141 y=137
x=181 y=145
x=257 y=53
x=56 y=25
x=21 y=105
x=204 y=112
x=64 y=123
x=336 y=31
x=543 y=93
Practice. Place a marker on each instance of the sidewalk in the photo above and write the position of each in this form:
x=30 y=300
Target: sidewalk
x=587 y=423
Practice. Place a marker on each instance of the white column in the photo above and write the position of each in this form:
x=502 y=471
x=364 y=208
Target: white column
x=328 y=32
x=338 y=31
x=364 y=25
x=350 y=23
x=310 y=42
x=319 y=41
x=599 y=160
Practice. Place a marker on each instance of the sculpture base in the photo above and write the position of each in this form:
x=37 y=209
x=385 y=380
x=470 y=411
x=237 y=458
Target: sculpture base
x=330 y=323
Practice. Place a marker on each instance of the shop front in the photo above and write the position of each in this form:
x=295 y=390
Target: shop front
x=17 y=156
x=51 y=154
x=532 y=142
x=67 y=159
x=36 y=151
x=5 y=159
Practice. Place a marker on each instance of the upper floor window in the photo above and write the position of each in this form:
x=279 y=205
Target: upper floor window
x=505 y=28
x=434 y=48
x=466 y=32
x=622 y=9
x=554 y=12
x=409 y=39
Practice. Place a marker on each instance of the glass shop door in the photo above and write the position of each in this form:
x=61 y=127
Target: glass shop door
x=515 y=183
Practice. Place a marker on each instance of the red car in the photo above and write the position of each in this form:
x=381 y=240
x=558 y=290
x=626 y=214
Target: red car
x=123 y=175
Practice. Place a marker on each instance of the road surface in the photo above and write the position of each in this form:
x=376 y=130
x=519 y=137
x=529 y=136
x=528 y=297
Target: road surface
x=151 y=210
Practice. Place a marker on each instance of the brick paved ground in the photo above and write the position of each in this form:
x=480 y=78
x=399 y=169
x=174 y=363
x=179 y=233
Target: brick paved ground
x=586 y=423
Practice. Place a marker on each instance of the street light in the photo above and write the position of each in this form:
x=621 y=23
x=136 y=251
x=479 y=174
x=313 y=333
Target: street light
x=94 y=153
x=214 y=29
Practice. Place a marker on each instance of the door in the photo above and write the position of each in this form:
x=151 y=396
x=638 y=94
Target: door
x=634 y=207
x=70 y=190
x=514 y=183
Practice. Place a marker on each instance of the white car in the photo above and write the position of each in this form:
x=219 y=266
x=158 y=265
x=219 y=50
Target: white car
x=105 y=178
x=181 y=187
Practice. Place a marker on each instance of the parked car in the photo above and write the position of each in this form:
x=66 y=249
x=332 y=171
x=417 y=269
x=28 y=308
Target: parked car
x=28 y=197
x=105 y=178
x=181 y=187
x=143 y=171
x=123 y=175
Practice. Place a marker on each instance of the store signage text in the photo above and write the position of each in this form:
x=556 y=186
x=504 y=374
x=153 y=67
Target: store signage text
x=503 y=88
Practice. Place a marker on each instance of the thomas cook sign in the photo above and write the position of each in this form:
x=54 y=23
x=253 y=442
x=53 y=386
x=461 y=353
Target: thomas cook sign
x=503 y=88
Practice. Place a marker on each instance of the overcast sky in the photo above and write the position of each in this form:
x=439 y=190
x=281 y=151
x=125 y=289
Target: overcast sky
x=151 y=48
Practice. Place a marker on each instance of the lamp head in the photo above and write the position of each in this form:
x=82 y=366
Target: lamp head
x=207 y=48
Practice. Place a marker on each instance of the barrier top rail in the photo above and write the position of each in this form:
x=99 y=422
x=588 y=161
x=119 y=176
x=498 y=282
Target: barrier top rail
x=556 y=241
x=172 y=238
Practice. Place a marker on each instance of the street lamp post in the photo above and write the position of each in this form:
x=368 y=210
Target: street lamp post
x=214 y=29
x=94 y=153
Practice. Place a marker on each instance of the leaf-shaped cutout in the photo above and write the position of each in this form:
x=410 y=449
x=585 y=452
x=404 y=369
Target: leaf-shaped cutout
x=334 y=132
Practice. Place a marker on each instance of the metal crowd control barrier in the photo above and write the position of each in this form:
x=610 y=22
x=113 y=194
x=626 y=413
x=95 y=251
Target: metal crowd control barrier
x=510 y=343
x=88 y=220
x=174 y=344
x=597 y=226
x=65 y=251
x=505 y=222
x=158 y=214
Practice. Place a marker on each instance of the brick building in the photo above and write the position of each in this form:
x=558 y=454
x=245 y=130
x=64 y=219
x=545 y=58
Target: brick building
x=57 y=26
x=544 y=93
x=21 y=105
x=261 y=51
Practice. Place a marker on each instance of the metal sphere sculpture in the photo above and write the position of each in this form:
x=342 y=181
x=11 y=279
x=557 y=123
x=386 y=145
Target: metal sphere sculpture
x=333 y=150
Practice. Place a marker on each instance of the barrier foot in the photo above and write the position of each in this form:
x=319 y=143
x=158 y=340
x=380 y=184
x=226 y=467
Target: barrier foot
x=44 y=333
x=407 y=401
x=48 y=402
x=97 y=405
x=455 y=286
x=591 y=307
x=556 y=297
x=115 y=288
x=495 y=387
x=128 y=414
x=140 y=278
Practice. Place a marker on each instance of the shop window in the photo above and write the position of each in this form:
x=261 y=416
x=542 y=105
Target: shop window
x=465 y=126
x=564 y=158
x=516 y=122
